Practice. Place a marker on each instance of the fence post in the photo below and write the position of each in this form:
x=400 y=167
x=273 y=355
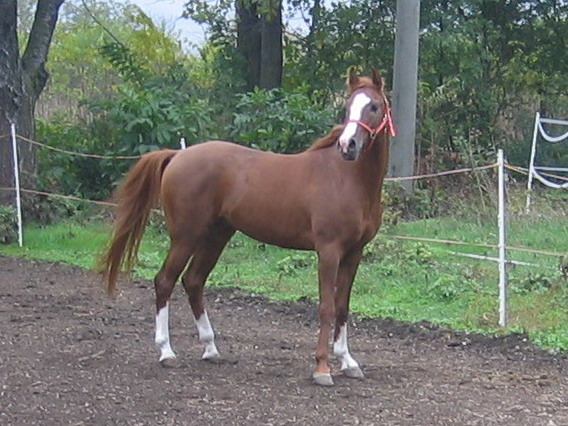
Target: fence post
x=502 y=223
x=182 y=143
x=17 y=184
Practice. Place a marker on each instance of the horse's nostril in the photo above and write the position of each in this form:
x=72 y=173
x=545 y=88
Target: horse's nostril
x=352 y=145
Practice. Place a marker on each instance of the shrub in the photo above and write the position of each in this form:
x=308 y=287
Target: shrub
x=280 y=121
x=8 y=224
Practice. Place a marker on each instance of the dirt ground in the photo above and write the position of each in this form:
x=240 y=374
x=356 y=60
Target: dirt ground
x=68 y=355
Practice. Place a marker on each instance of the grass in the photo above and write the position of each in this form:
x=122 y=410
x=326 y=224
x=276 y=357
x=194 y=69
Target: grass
x=409 y=281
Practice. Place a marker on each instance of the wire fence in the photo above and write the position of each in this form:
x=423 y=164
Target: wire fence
x=510 y=167
x=79 y=154
x=500 y=165
x=62 y=196
x=440 y=174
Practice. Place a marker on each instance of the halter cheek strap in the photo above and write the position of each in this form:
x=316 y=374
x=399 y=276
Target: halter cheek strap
x=386 y=122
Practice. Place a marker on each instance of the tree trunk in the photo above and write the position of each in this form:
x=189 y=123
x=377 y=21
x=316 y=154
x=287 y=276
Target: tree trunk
x=22 y=79
x=249 y=42
x=10 y=92
x=271 y=49
x=259 y=41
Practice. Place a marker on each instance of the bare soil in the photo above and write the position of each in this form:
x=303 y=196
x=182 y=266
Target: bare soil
x=69 y=355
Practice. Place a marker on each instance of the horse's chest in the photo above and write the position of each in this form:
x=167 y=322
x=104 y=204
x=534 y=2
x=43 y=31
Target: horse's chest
x=368 y=232
x=370 y=225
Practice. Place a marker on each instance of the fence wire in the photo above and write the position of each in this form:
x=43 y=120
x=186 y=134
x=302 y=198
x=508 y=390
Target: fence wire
x=79 y=154
x=388 y=179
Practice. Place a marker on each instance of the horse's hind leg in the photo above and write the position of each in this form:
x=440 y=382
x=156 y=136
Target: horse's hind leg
x=202 y=263
x=164 y=282
x=346 y=274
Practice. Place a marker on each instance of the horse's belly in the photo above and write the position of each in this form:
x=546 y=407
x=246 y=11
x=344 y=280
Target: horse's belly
x=289 y=231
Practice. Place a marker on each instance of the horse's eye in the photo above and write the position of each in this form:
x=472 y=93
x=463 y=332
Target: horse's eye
x=374 y=108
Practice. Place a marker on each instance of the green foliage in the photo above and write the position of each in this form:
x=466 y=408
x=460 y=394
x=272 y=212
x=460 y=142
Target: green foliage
x=60 y=172
x=45 y=210
x=420 y=204
x=445 y=287
x=148 y=111
x=280 y=121
x=124 y=61
x=533 y=282
x=126 y=93
x=8 y=224
x=389 y=251
x=485 y=68
x=295 y=263
x=359 y=32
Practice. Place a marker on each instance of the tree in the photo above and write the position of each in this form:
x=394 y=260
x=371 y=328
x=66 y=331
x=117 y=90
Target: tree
x=258 y=38
x=22 y=79
x=341 y=35
x=259 y=41
x=249 y=41
x=271 y=57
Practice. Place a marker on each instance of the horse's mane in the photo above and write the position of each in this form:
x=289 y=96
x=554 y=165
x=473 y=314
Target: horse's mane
x=328 y=139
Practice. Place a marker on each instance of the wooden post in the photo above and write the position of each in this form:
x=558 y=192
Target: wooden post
x=405 y=82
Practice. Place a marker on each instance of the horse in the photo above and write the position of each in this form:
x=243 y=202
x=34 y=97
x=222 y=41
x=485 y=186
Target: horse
x=326 y=198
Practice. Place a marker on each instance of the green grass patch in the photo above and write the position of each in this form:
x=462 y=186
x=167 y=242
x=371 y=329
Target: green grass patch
x=409 y=281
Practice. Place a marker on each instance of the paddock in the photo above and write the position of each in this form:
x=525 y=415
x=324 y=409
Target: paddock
x=72 y=356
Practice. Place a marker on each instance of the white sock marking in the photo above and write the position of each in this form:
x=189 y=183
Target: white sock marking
x=360 y=101
x=341 y=350
x=163 y=334
x=206 y=335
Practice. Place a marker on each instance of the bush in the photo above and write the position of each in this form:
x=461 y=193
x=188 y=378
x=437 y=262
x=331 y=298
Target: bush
x=8 y=225
x=140 y=117
x=48 y=210
x=280 y=121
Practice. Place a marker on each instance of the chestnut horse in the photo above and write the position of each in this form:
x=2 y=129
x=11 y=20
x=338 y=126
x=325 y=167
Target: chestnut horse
x=327 y=199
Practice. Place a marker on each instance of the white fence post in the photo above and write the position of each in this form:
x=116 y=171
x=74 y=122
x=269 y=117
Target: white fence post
x=531 y=163
x=502 y=223
x=17 y=183
x=182 y=143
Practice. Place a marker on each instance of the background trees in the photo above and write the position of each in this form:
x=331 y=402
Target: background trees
x=122 y=84
x=22 y=79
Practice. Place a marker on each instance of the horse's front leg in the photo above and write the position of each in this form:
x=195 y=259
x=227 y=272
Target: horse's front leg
x=345 y=277
x=327 y=270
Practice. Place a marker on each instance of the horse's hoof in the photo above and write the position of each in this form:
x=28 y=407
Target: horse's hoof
x=323 y=379
x=210 y=356
x=169 y=363
x=353 y=373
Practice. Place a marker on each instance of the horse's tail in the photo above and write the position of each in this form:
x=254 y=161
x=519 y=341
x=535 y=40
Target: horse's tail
x=135 y=197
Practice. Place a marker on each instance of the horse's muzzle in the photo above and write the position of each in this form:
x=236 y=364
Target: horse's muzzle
x=351 y=153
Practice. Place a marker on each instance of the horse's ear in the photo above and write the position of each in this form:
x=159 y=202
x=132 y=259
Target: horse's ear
x=353 y=79
x=377 y=78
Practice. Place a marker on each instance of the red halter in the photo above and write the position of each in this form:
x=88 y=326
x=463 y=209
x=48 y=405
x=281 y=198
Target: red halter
x=387 y=121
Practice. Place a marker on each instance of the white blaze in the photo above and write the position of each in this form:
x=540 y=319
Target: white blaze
x=163 y=334
x=360 y=101
x=341 y=350
x=206 y=335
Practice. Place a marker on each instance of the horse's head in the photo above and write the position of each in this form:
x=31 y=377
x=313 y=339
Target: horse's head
x=367 y=113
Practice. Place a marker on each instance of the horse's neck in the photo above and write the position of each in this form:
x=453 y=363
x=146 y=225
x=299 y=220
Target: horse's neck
x=373 y=166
